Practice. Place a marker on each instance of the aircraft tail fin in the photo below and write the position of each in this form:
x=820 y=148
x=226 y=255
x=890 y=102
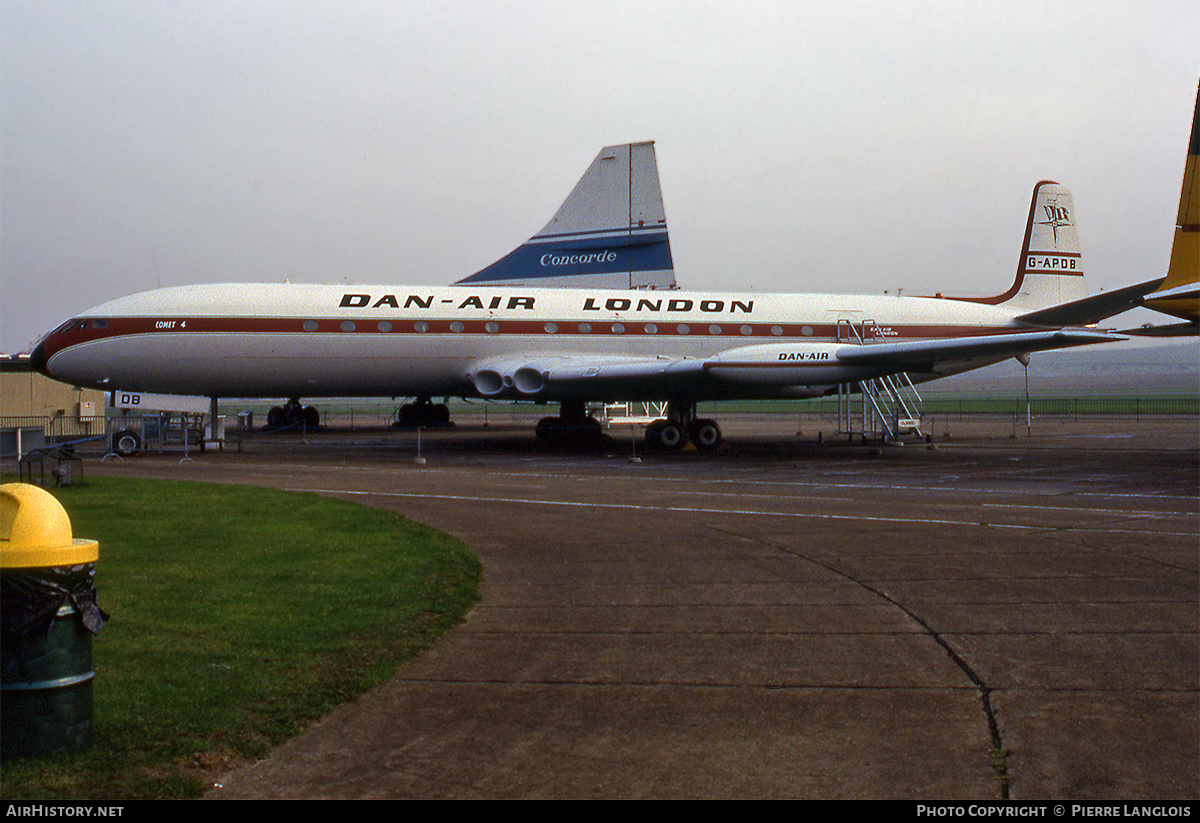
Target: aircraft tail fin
x=1178 y=294
x=610 y=232
x=1050 y=270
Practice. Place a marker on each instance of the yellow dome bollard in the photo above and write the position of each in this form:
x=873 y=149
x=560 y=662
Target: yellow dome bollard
x=48 y=614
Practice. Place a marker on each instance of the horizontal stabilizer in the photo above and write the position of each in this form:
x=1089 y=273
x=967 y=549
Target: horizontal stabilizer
x=611 y=232
x=1091 y=309
x=967 y=348
x=1172 y=330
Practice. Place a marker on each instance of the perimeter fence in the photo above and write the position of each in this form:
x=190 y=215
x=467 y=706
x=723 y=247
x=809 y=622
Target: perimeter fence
x=98 y=433
x=1043 y=408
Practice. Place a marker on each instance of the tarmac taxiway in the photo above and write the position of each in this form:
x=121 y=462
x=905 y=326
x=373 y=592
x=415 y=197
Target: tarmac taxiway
x=981 y=617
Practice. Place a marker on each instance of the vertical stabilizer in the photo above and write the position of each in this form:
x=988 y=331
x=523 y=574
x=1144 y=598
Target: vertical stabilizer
x=1178 y=294
x=611 y=232
x=1050 y=271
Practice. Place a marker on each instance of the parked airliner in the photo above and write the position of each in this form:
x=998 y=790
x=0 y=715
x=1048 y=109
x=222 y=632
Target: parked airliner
x=586 y=310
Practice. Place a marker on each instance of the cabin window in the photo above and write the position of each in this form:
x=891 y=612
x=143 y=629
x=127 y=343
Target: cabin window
x=747 y=330
x=456 y=327
x=585 y=328
x=714 y=329
x=384 y=326
x=347 y=325
x=777 y=330
x=310 y=325
x=492 y=327
x=682 y=328
x=806 y=331
x=618 y=328
x=650 y=328
x=551 y=328
x=421 y=326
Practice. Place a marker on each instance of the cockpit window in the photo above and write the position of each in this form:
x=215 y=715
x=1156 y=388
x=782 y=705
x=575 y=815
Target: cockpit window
x=74 y=324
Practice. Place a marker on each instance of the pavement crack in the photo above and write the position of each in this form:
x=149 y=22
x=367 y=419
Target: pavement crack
x=998 y=752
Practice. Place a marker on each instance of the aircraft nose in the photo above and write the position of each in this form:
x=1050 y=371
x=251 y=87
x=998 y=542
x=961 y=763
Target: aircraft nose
x=37 y=358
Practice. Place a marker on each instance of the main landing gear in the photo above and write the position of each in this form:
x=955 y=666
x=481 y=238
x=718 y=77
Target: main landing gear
x=572 y=426
x=293 y=415
x=424 y=413
x=680 y=427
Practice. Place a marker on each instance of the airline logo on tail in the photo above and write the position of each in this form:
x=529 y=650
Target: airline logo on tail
x=552 y=259
x=611 y=232
x=1056 y=216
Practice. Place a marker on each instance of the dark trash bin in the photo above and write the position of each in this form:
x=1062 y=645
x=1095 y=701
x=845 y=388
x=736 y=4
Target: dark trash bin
x=48 y=614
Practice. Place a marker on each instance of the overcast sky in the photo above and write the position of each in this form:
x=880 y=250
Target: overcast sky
x=851 y=147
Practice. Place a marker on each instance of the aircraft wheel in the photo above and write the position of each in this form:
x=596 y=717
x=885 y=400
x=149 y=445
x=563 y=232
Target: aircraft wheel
x=411 y=415
x=654 y=434
x=586 y=429
x=276 y=418
x=426 y=415
x=312 y=418
x=549 y=429
x=671 y=436
x=127 y=443
x=706 y=434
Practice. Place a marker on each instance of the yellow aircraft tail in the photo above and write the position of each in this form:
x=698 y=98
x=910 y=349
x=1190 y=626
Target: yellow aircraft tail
x=1179 y=294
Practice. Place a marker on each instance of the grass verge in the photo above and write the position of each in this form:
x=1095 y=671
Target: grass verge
x=239 y=616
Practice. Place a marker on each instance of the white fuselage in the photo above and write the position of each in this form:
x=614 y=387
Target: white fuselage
x=256 y=340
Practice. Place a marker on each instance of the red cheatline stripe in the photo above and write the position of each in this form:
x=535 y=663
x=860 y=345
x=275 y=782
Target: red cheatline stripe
x=752 y=333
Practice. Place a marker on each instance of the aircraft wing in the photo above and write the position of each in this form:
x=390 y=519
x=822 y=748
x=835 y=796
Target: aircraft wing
x=771 y=365
x=541 y=374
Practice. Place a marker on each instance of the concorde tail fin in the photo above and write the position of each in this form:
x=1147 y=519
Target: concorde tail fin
x=611 y=232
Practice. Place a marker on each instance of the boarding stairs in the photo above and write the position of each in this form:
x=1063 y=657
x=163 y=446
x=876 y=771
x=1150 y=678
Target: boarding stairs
x=882 y=407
